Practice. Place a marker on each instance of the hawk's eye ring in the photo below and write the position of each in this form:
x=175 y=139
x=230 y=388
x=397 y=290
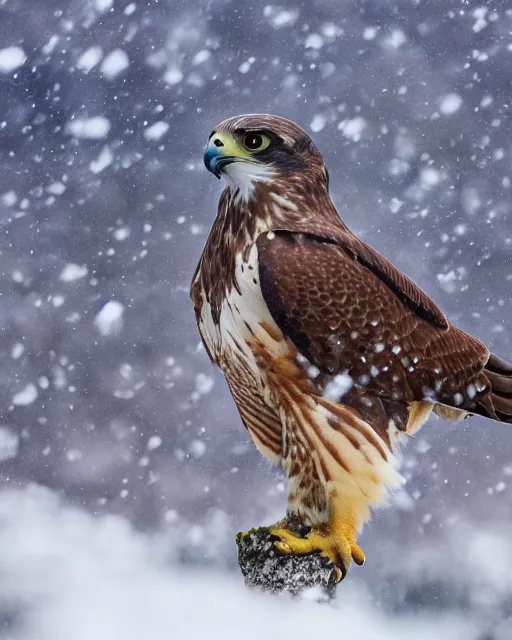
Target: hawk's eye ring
x=253 y=141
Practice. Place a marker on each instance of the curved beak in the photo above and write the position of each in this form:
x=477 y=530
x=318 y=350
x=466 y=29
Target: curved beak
x=221 y=150
x=215 y=160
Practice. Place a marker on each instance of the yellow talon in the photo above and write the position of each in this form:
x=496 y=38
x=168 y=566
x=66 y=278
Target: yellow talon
x=335 y=540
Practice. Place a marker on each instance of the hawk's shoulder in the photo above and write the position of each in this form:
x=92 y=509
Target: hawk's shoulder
x=397 y=282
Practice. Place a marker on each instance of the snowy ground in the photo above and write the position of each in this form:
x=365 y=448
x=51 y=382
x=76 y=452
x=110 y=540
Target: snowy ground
x=69 y=575
x=106 y=398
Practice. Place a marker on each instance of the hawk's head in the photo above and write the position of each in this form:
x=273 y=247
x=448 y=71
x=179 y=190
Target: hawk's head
x=259 y=148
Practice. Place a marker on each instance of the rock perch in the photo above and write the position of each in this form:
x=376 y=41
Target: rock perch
x=266 y=569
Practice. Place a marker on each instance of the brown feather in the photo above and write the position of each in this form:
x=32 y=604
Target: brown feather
x=343 y=317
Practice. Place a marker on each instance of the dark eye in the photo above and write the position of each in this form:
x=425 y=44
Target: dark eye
x=253 y=141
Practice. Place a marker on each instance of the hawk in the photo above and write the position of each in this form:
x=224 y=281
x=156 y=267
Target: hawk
x=332 y=355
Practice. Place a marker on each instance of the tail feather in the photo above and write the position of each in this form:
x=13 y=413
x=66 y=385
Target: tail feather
x=501 y=385
x=503 y=417
x=496 y=364
x=502 y=405
x=497 y=403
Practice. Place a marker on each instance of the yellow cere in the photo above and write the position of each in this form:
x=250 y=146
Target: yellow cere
x=241 y=146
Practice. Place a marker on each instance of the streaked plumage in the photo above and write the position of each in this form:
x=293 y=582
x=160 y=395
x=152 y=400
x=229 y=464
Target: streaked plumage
x=330 y=352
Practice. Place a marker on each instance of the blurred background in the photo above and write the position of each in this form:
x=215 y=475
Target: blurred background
x=125 y=469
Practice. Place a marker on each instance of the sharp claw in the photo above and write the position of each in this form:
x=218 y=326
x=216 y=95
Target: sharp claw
x=336 y=558
x=358 y=556
x=339 y=550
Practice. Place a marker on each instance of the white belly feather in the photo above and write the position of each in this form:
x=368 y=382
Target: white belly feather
x=245 y=319
x=241 y=316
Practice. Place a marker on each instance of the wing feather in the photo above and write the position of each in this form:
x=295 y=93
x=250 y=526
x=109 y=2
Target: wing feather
x=349 y=311
x=404 y=288
x=408 y=292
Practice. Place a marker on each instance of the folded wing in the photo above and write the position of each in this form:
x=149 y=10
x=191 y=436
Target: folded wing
x=349 y=311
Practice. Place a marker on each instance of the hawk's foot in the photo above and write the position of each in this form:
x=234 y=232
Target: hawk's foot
x=336 y=540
